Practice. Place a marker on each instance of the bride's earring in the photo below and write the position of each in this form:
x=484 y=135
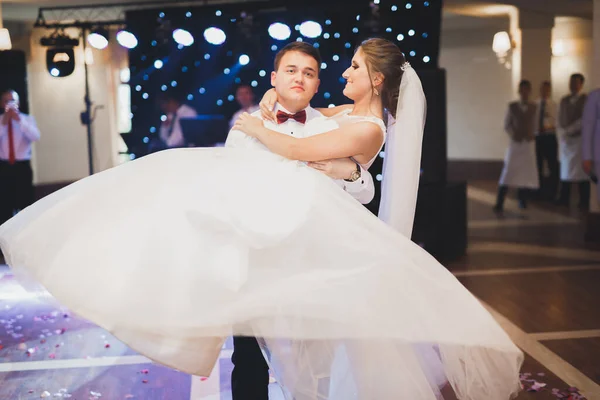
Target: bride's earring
x=375 y=83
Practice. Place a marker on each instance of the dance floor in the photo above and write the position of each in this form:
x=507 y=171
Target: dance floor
x=531 y=268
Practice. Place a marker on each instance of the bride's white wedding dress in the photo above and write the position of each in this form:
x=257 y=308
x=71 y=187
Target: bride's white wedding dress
x=176 y=250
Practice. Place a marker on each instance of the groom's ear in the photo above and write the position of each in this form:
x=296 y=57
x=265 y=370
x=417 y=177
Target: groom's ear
x=273 y=76
x=318 y=84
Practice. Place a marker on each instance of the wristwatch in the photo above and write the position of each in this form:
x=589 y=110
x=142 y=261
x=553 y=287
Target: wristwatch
x=355 y=175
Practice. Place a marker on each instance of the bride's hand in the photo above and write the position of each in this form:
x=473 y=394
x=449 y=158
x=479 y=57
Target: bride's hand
x=267 y=105
x=248 y=124
x=340 y=168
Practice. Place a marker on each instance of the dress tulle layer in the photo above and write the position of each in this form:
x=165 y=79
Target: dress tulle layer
x=174 y=251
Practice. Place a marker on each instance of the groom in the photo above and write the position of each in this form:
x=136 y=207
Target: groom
x=296 y=80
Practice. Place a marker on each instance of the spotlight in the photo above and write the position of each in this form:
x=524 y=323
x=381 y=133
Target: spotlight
x=279 y=31
x=127 y=39
x=183 y=37
x=244 y=59
x=98 y=38
x=60 y=61
x=158 y=64
x=215 y=36
x=60 y=57
x=311 y=29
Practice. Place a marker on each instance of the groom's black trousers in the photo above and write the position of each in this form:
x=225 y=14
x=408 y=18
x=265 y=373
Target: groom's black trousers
x=250 y=375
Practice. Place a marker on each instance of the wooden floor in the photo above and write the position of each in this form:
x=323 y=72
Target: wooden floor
x=531 y=268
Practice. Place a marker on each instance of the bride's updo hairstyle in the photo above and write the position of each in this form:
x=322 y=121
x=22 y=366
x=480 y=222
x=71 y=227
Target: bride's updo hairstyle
x=383 y=56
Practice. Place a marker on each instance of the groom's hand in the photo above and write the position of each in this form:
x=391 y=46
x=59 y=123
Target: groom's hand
x=340 y=168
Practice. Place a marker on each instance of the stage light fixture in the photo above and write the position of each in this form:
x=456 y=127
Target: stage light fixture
x=60 y=57
x=183 y=37
x=127 y=39
x=244 y=59
x=311 y=29
x=98 y=38
x=215 y=36
x=279 y=31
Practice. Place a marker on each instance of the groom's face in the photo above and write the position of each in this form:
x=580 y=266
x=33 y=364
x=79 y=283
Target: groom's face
x=296 y=80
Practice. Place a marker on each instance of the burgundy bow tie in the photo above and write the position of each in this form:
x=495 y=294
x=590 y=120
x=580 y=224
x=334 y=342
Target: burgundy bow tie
x=299 y=116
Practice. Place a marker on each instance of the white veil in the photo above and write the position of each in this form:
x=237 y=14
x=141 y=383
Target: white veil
x=402 y=162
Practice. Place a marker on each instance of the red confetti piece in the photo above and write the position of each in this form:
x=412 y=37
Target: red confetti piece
x=106 y=346
x=145 y=381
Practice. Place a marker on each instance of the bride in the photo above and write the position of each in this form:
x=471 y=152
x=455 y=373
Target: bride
x=174 y=251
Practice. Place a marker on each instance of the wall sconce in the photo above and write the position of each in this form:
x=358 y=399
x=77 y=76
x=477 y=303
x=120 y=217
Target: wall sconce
x=559 y=48
x=502 y=46
x=5 y=43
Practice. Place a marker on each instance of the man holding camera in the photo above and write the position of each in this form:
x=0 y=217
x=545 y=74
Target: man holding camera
x=17 y=132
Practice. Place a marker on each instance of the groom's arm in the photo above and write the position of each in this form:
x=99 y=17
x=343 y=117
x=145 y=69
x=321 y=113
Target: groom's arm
x=342 y=170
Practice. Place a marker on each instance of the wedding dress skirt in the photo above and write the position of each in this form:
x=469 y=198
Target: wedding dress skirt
x=177 y=250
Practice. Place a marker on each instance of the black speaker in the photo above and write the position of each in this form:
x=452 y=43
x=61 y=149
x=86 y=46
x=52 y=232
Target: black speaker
x=441 y=220
x=434 y=158
x=13 y=75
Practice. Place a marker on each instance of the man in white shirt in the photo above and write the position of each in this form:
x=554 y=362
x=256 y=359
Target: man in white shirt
x=296 y=79
x=245 y=98
x=570 y=115
x=546 y=145
x=170 y=132
x=17 y=133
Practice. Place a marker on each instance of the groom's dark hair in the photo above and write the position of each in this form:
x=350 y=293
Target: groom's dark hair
x=301 y=47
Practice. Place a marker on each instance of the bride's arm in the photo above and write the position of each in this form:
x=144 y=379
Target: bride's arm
x=267 y=105
x=358 y=140
x=330 y=112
